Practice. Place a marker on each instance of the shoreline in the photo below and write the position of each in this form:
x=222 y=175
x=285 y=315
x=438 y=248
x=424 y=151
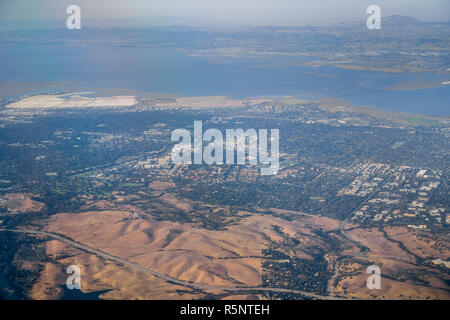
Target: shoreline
x=90 y=99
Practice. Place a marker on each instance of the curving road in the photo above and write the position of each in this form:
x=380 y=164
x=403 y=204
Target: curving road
x=161 y=275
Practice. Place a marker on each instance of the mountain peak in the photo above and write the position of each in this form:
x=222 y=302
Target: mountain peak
x=400 y=20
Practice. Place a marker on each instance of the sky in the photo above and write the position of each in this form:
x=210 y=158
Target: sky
x=217 y=12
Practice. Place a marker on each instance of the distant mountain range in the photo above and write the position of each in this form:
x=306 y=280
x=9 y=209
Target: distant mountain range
x=5 y=24
x=402 y=44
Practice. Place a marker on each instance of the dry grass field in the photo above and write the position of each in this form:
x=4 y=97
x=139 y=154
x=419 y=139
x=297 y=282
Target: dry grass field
x=21 y=202
x=232 y=256
x=403 y=275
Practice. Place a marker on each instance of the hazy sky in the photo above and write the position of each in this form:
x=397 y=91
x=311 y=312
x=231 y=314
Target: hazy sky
x=223 y=12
